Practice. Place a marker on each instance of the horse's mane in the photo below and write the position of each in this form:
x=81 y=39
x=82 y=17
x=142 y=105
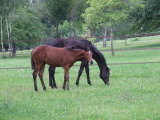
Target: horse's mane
x=98 y=55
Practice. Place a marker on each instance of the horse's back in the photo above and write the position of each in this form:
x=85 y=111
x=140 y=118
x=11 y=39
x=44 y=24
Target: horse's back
x=50 y=55
x=55 y=56
x=56 y=43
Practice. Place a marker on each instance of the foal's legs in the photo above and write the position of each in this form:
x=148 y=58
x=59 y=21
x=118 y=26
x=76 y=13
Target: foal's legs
x=35 y=72
x=66 y=78
x=41 y=75
x=52 y=81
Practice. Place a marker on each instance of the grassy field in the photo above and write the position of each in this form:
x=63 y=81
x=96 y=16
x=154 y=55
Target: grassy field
x=134 y=92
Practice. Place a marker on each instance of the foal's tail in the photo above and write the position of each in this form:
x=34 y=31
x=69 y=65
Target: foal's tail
x=32 y=62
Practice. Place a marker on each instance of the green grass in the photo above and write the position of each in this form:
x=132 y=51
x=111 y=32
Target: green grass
x=134 y=92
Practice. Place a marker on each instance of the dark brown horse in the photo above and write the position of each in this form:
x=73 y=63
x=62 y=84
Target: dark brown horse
x=56 y=57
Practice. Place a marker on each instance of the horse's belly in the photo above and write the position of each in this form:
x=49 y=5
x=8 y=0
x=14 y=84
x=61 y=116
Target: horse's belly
x=54 y=63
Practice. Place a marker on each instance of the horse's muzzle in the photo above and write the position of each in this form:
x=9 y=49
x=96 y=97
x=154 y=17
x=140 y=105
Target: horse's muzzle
x=107 y=83
x=91 y=62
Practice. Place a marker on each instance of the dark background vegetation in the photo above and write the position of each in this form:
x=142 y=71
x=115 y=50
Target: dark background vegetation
x=41 y=20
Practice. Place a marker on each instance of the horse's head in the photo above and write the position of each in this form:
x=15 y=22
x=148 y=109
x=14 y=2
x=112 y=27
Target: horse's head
x=88 y=56
x=87 y=53
x=104 y=75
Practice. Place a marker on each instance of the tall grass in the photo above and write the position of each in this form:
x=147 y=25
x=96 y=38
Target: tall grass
x=134 y=92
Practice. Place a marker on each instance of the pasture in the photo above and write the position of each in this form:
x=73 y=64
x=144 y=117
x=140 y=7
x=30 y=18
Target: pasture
x=133 y=94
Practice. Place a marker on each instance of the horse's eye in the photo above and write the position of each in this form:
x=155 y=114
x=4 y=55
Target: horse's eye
x=86 y=53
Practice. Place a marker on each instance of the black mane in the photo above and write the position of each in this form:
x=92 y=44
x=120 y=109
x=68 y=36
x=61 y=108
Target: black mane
x=98 y=56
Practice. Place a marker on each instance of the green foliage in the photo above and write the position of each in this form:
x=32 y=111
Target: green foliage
x=27 y=26
x=146 y=16
x=105 y=12
x=6 y=6
x=40 y=19
x=59 y=9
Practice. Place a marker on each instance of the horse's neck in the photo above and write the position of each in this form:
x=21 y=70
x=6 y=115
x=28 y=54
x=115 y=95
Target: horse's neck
x=100 y=61
x=101 y=64
x=99 y=58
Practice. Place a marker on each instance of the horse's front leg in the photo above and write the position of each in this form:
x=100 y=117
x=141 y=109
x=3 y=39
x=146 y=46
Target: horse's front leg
x=52 y=81
x=66 y=78
x=87 y=73
x=85 y=64
x=80 y=72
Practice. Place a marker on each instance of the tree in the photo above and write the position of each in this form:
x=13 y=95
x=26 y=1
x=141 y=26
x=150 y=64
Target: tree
x=59 y=9
x=27 y=25
x=102 y=12
x=145 y=15
x=6 y=8
x=75 y=18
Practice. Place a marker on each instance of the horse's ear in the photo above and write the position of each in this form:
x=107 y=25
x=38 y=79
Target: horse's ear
x=70 y=47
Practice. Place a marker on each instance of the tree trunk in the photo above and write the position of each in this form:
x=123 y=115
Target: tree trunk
x=14 y=49
x=2 y=39
x=70 y=29
x=9 y=43
x=57 y=33
x=105 y=39
x=61 y=31
x=74 y=28
x=111 y=40
x=125 y=40
x=87 y=33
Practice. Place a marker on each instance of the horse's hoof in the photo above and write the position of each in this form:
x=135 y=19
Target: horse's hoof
x=90 y=84
x=77 y=84
x=36 y=89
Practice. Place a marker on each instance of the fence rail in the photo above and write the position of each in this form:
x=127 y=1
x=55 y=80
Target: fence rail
x=91 y=65
x=105 y=50
x=76 y=38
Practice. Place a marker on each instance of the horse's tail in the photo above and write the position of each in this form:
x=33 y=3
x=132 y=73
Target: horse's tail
x=32 y=62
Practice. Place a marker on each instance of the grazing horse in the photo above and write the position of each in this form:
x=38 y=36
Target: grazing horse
x=81 y=44
x=56 y=57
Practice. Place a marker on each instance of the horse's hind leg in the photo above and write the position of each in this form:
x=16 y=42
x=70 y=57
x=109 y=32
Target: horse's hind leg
x=34 y=78
x=41 y=76
x=66 y=78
